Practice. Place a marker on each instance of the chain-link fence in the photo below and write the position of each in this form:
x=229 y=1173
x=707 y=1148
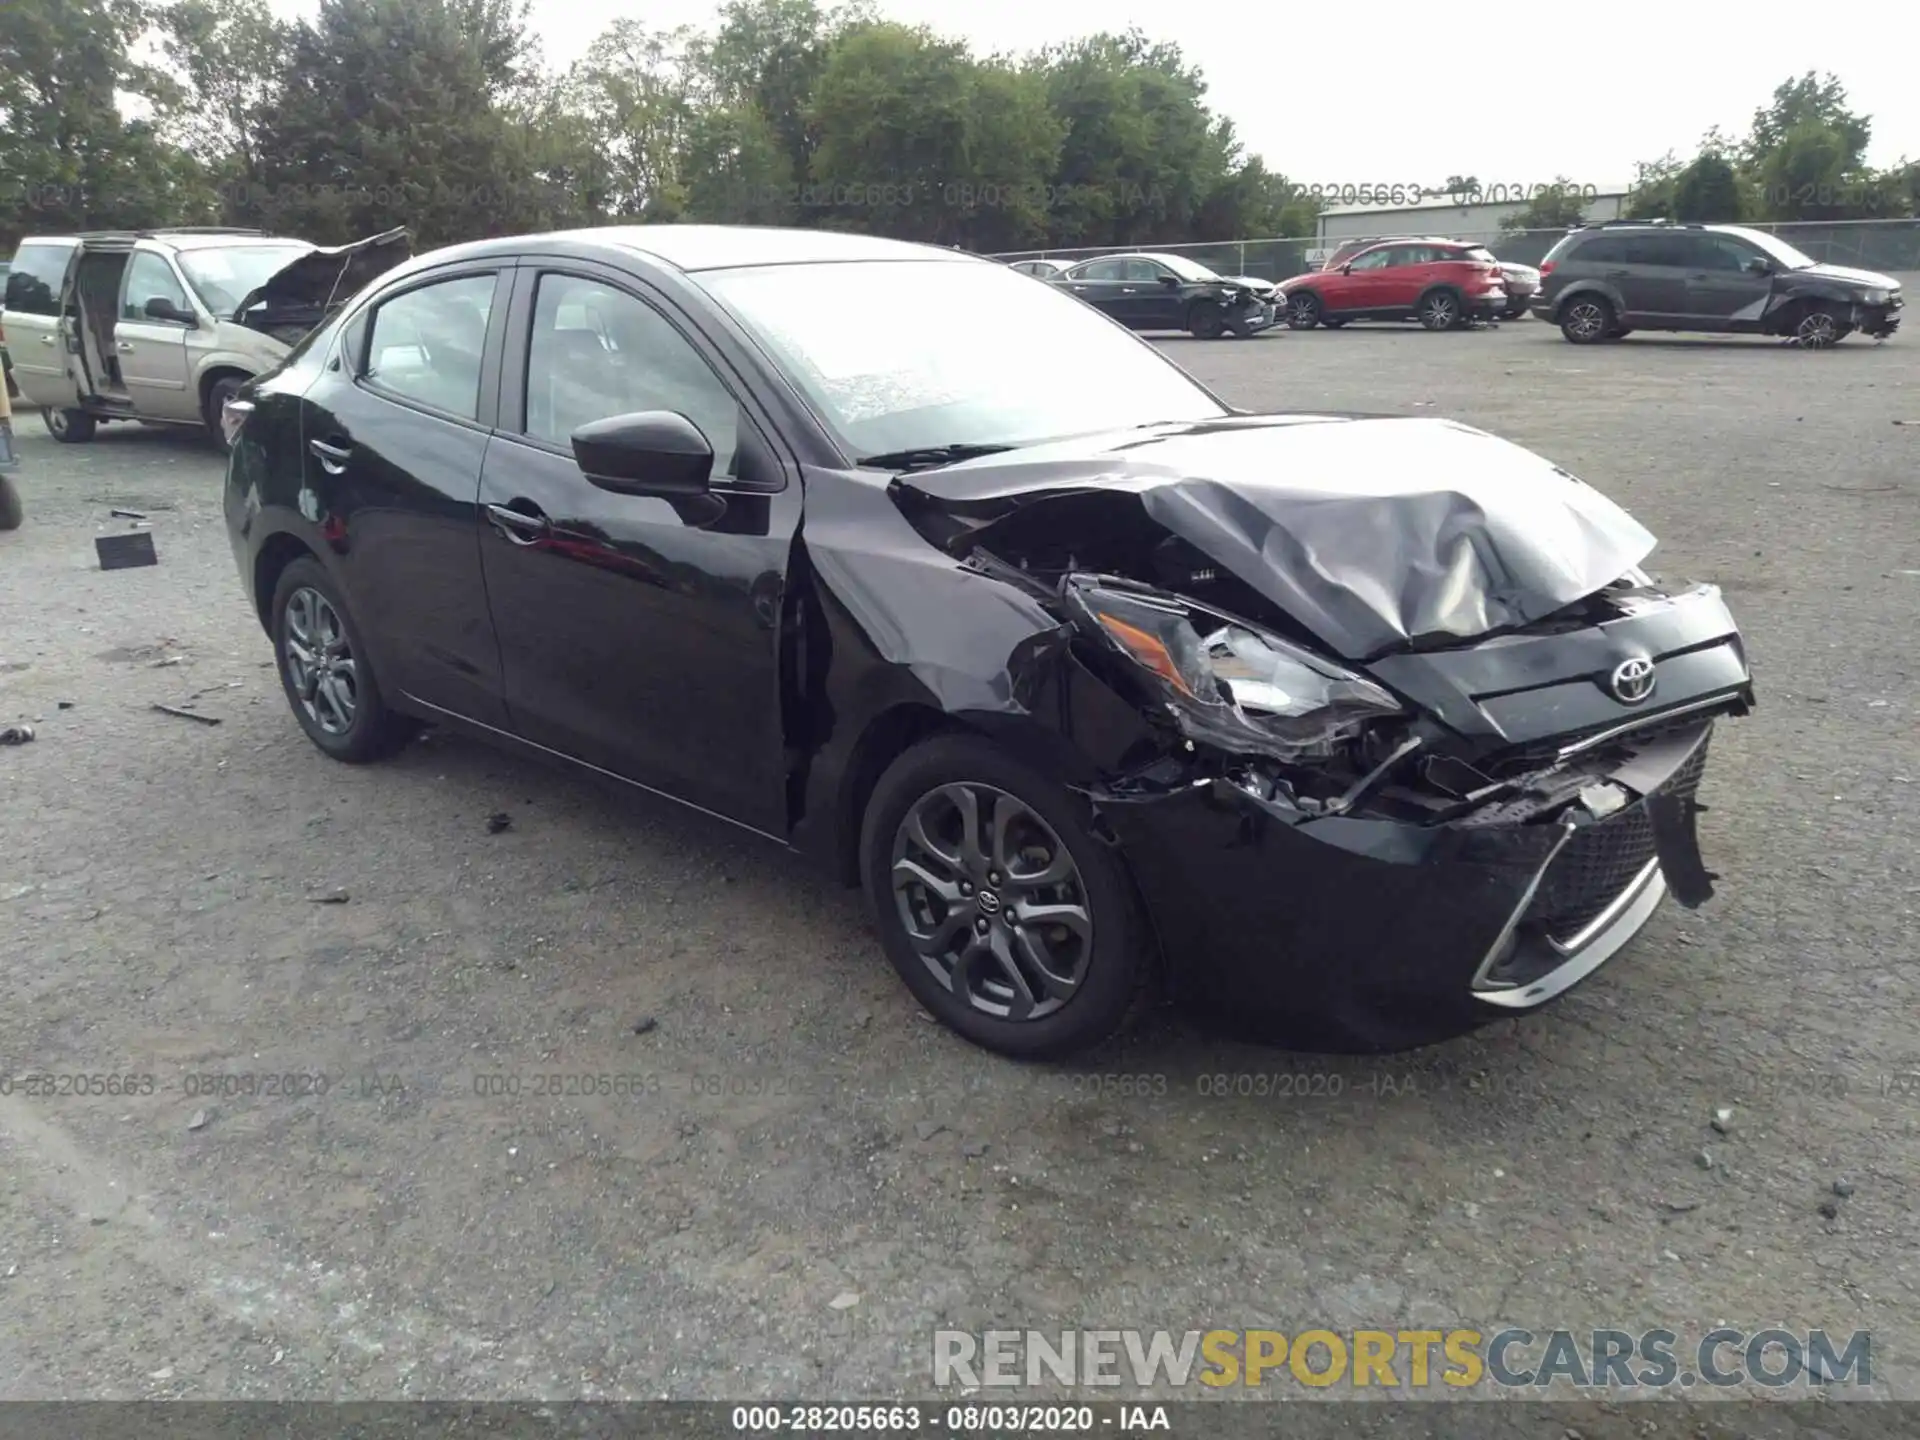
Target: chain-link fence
x=1880 y=245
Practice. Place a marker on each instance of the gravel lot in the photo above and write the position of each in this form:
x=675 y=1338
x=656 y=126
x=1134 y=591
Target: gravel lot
x=801 y=1133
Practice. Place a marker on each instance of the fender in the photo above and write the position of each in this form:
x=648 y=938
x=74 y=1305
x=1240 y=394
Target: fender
x=1610 y=293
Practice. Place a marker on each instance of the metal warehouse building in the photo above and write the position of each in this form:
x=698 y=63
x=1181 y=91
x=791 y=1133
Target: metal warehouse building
x=1475 y=219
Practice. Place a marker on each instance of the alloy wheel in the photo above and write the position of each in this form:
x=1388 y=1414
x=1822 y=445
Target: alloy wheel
x=1817 y=330
x=319 y=661
x=1585 y=320
x=1439 y=313
x=992 y=901
x=1303 y=311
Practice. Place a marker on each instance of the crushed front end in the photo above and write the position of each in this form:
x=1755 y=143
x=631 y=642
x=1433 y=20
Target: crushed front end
x=1356 y=840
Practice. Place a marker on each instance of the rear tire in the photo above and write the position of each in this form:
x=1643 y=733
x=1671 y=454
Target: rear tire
x=1440 y=310
x=342 y=712
x=1587 y=319
x=968 y=936
x=1303 y=310
x=69 y=426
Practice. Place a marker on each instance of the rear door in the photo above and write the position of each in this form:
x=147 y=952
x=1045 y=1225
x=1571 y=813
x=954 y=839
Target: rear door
x=153 y=353
x=1100 y=284
x=394 y=440
x=638 y=634
x=1653 y=281
x=35 y=285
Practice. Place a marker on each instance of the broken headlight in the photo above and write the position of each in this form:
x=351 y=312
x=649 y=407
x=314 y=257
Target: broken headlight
x=1229 y=683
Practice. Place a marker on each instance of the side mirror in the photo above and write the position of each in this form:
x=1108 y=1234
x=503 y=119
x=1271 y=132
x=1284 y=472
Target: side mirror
x=1760 y=265
x=1347 y=269
x=161 y=308
x=655 y=452
x=1170 y=281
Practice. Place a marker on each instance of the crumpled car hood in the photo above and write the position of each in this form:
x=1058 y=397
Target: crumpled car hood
x=1375 y=534
x=326 y=275
x=1871 y=279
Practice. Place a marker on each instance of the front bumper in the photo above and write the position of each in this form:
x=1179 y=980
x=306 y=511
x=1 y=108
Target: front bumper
x=1879 y=321
x=1348 y=933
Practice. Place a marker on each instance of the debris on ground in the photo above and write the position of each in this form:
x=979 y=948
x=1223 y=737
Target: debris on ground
x=125 y=552
x=927 y=1129
x=1722 y=1120
x=1829 y=1210
x=498 y=821
x=170 y=660
x=644 y=1024
x=199 y=1120
x=186 y=714
x=845 y=1300
x=974 y=1149
x=66 y=704
x=1704 y=1160
x=1843 y=1188
x=332 y=897
x=16 y=735
x=127 y=514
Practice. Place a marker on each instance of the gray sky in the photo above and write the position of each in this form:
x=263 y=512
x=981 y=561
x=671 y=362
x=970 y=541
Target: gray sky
x=1514 y=110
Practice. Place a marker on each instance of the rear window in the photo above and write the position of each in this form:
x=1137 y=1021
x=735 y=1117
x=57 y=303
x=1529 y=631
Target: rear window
x=33 y=284
x=1478 y=253
x=1567 y=244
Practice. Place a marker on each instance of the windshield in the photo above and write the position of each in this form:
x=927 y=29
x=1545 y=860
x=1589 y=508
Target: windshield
x=906 y=354
x=1779 y=249
x=224 y=275
x=1186 y=269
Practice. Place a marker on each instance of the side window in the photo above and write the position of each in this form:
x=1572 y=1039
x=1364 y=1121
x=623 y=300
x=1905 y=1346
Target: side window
x=1669 y=250
x=625 y=358
x=426 y=344
x=1101 y=270
x=1373 y=259
x=150 y=277
x=1722 y=253
x=1144 y=272
x=33 y=284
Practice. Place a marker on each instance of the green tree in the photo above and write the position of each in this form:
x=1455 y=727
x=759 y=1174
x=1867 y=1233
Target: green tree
x=69 y=158
x=1810 y=99
x=229 y=58
x=1559 y=206
x=737 y=169
x=769 y=54
x=1651 y=196
x=1708 y=192
x=640 y=91
x=390 y=112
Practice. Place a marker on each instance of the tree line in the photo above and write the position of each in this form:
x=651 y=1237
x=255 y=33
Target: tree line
x=444 y=116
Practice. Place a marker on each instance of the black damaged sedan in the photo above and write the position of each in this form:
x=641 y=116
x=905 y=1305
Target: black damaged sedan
x=1356 y=732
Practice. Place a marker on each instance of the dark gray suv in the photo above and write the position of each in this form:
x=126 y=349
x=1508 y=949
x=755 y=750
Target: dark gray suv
x=1605 y=281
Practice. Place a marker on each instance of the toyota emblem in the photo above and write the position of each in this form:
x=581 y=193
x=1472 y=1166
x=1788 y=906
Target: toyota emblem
x=1632 y=680
x=989 y=903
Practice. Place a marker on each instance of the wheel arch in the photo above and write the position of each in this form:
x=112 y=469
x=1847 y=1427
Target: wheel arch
x=213 y=375
x=276 y=553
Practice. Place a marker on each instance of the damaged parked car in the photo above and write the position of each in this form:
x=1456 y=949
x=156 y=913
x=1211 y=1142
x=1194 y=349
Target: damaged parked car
x=1171 y=292
x=1358 y=732
x=163 y=326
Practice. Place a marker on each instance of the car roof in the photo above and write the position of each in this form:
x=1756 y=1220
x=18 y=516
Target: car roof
x=692 y=248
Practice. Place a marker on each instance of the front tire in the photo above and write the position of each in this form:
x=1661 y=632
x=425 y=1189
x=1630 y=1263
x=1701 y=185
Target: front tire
x=69 y=426
x=1003 y=914
x=1205 y=322
x=1820 y=329
x=1587 y=320
x=326 y=672
x=1303 y=310
x=221 y=391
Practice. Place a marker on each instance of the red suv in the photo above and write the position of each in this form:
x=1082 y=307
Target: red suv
x=1444 y=284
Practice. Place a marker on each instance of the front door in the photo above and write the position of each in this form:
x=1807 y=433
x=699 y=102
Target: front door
x=394 y=438
x=153 y=353
x=638 y=634
x=1723 y=290
x=1152 y=297
x=1362 y=290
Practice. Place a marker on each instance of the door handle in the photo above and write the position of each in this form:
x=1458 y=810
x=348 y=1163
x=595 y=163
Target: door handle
x=518 y=527
x=126 y=347
x=48 y=340
x=333 y=458
x=1702 y=275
